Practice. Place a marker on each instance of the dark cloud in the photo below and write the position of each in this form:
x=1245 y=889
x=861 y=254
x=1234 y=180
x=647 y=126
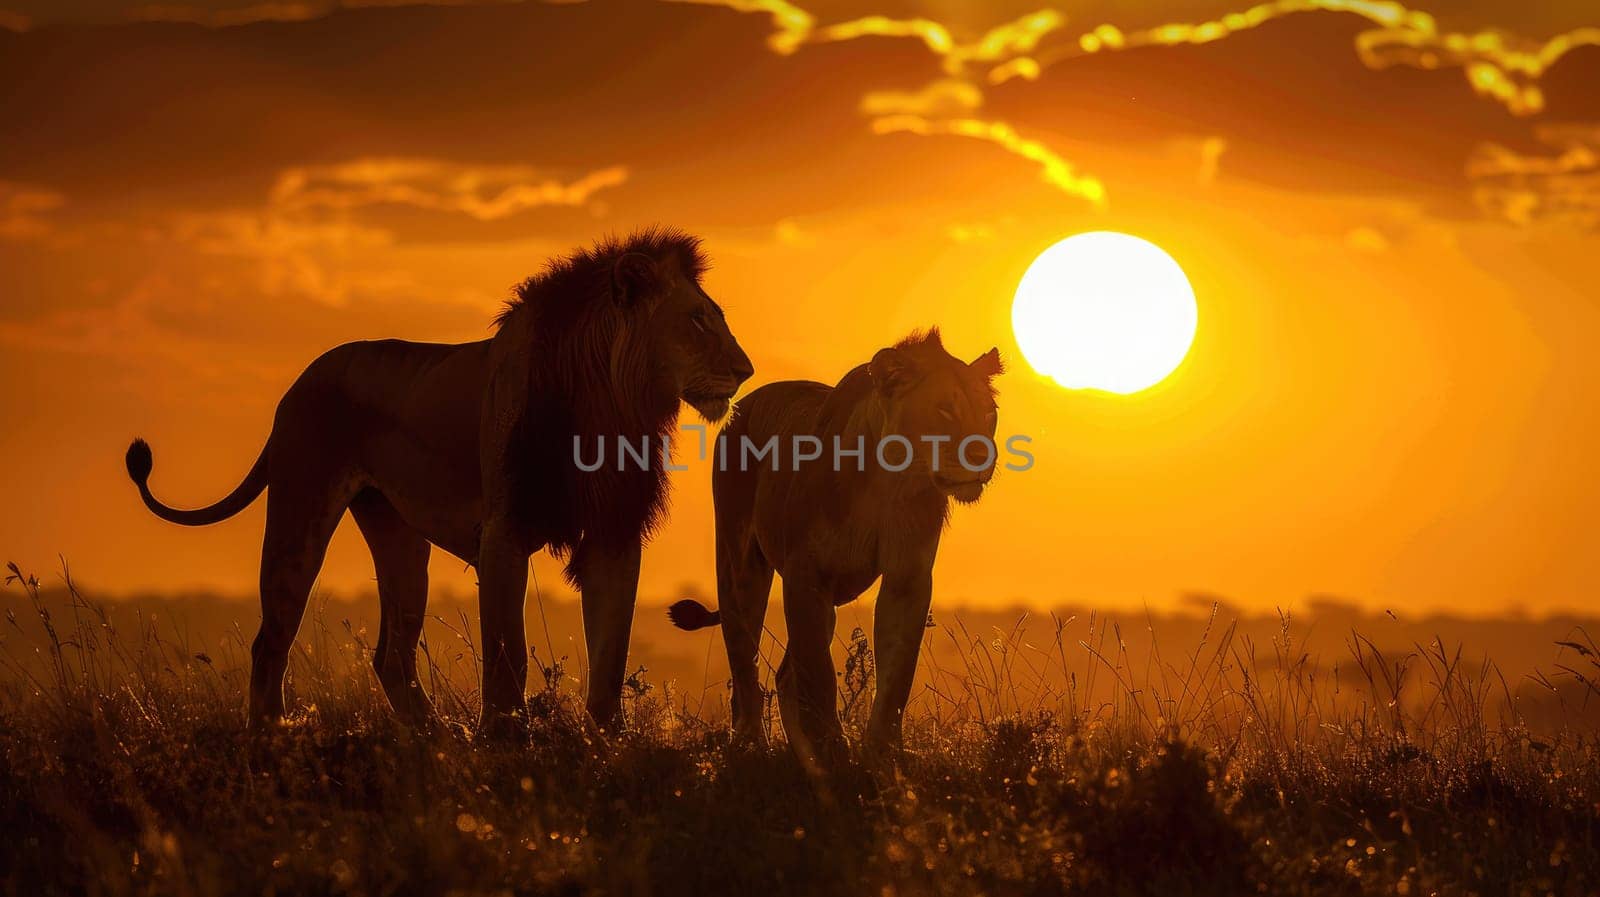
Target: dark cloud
x=1296 y=107
x=1560 y=183
x=26 y=211
x=681 y=93
x=200 y=117
x=1534 y=19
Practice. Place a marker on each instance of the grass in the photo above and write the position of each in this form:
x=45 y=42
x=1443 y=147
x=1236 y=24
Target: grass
x=1225 y=768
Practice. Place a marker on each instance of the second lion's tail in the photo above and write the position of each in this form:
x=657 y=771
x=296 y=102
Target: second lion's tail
x=691 y=615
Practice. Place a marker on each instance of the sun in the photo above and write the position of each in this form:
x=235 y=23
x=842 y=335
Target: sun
x=1104 y=310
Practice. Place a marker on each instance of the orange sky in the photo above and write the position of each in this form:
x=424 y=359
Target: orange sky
x=1388 y=399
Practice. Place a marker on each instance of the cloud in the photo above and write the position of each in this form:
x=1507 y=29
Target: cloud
x=943 y=107
x=999 y=43
x=315 y=240
x=292 y=256
x=224 y=18
x=946 y=96
x=24 y=210
x=279 y=10
x=1497 y=65
x=222 y=294
x=1375 y=226
x=136 y=328
x=485 y=193
x=1055 y=170
x=1562 y=185
x=795 y=27
x=304 y=235
x=791 y=24
x=1329 y=122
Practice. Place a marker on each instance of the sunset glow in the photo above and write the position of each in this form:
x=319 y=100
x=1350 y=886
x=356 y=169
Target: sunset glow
x=823 y=446
x=1385 y=214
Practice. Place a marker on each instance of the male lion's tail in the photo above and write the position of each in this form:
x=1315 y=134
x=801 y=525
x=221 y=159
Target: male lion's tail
x=691 y=615
x=140 y=462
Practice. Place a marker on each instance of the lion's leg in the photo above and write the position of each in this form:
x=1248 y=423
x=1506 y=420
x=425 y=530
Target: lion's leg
x=744 y=583
x=898 y=625
x=608 y=575
x=502 y=591
x=807 y=695
x=400 y=559
x=301 y=518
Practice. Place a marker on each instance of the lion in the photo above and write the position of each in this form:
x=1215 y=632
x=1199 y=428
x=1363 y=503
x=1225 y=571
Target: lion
x=472 y=448
x=832 y=525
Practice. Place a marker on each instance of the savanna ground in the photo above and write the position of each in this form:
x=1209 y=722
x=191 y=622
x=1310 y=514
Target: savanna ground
x=1037 y=762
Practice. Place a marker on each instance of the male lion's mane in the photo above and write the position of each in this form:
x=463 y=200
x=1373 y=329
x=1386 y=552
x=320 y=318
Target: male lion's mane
x=589 y=375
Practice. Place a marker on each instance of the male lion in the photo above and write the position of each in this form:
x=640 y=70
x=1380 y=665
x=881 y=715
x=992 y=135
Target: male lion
x=472 y=448
x=832 y=525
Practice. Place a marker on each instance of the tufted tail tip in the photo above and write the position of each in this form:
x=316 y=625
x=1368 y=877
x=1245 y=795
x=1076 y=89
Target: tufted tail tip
x=140 y=461
x=690 y=615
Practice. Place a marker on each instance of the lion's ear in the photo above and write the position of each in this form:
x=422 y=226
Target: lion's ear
x=988 y=364
x=892 y=370
x=632 y=278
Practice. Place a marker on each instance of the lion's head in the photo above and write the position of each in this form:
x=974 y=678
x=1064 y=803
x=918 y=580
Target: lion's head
x=688 y=341
x=627 y=317
x=945 y=407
